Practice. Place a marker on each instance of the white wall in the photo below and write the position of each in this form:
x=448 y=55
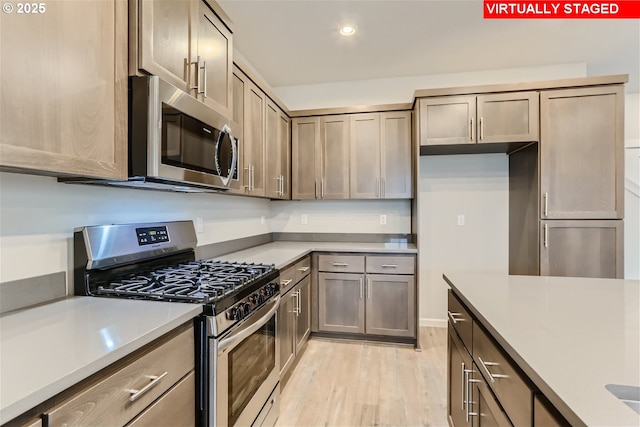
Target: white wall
x=342 y=216
x=38 y=215
x=632 y=187
x=400 y=90
x=476 y=186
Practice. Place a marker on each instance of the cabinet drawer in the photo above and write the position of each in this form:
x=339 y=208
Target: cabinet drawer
x=287 y=279
x=460 y=320
x=175 y=409
x=391 y=264
x=302 y=268
x=341 y=263
x=107 y=402
x=510 y=388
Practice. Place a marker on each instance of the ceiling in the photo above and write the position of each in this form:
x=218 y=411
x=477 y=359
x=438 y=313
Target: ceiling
x=297 y=42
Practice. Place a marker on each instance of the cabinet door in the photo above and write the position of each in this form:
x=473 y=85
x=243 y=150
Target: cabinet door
x=447 y=120
x=582 y=248
x=581 y=153
x=214 y=51
x=303 y=319
x=305 y=137
x=486 y=410
x=254 y=127
x=286 y=331
x=285 y=154
x=508 y=117
x=239 y=85
x=274 y=160
x=174 y=409
x=63 y=98
x=366 y=181
x=459 y=367
x=334 y=135
x=395 y=161
x=341 y=302
x=390 y=305
x=545 y=415
x=165 y=36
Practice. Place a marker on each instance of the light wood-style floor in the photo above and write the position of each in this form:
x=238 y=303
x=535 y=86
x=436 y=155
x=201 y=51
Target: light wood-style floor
x=340 y=383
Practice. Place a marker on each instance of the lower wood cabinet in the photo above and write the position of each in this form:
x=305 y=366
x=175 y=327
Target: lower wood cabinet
x=294 y=314
x=459 y=365
x=174 y=409
x=362 y=301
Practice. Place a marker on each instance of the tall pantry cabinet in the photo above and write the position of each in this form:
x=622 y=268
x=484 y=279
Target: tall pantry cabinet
x=566 y=194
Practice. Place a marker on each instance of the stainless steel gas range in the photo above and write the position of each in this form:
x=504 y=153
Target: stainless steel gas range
x=236 y=345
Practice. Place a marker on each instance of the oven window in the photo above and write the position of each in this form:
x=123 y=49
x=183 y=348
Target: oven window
x=249 y=365
x=188 y=143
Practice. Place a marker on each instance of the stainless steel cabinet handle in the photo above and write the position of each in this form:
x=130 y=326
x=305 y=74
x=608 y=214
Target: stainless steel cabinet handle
x=322 y=188
x=155 y=379
x=304 y=269
x=492 y=377
x=546 y=236
x=187 y=65
x=481 y=128
x=453 y=318
x=377 y=188
x=361 y=289
x=471 y=129
x=384 y=188
x=282 y=185
x=204 y=92
x=389 y=265
x=368 y=287
x=298 y=299
x=315 y=190
x=340 y=264
x=286 y=282
x=546 y=203
x=248 y=185
x=295 y=308
x=463 y=376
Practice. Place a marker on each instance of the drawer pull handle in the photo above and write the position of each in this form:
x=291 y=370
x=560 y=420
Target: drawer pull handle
x=340 y=264
x=389 y=265
x=304 y=269
x=155 y=379
x=492 y=377
x=286 y=282
x=453 y=317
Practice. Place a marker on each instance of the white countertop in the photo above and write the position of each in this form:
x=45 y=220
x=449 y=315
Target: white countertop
x=283 y=253
x=571 y=336
x=46 y=349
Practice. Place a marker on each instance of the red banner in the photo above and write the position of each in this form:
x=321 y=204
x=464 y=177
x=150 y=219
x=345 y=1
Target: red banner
x=624 y=9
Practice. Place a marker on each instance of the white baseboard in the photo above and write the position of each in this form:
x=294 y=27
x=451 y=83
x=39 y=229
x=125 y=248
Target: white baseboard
x=433 y=323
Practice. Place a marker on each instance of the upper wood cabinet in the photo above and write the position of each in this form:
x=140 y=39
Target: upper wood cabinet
x=278 y=152
x=381 y=155
x=255 y=103
x=582 y=153
x=320 y=157
x=492 y=118
x=63 y=100
x=185 y=43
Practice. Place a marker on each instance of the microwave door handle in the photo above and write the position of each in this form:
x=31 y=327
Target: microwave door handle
x=255 y=322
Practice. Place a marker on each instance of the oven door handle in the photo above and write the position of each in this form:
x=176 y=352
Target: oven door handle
x=257 y=321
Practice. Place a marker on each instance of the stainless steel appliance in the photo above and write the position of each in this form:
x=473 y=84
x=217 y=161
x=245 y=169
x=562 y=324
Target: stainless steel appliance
x=237 y=366
x=176 y=143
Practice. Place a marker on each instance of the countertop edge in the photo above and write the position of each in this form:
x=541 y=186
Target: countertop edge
x=531 y=374
x=19 y=407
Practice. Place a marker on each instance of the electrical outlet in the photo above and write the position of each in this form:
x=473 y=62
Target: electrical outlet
x=199 y=225
x=303 y=219
x=383 y=220
x=460 y=219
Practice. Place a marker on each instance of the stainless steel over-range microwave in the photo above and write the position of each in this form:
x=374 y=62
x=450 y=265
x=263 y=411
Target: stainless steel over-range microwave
x=177 y=140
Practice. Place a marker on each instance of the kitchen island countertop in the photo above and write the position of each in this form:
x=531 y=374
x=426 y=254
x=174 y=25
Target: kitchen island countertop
x=47 y=349
x=570 y=336
x=283 y=253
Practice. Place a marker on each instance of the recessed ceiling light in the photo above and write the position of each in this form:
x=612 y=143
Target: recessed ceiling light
x=348 y=30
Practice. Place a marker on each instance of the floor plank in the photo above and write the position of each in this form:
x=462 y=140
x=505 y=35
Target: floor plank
x=345 y=383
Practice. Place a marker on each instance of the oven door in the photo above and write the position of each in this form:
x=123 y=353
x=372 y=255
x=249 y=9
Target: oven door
x=245 y=371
